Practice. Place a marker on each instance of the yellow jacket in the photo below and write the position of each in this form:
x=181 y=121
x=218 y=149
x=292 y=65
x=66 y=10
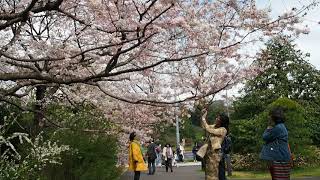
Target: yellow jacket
x=135 y=155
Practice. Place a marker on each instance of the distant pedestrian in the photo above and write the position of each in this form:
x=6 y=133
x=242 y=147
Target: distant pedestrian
x=159 y=152
x=136 y=162
x=152 y=156
x=195 y=149
x=174 y=159
x=168 y=155
x=276 y=150
x=181 y=154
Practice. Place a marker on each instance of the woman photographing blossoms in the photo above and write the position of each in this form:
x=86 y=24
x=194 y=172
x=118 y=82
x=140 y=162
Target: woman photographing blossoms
x=276 y=149
x=211 y=151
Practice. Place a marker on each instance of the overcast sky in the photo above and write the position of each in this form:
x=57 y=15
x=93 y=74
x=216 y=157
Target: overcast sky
x=307 y=43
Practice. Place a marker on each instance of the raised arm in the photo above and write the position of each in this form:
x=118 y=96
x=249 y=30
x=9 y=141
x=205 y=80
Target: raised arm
x=211 y=128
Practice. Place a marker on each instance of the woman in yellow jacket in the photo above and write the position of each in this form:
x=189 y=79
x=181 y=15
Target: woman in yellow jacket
x=136 y=162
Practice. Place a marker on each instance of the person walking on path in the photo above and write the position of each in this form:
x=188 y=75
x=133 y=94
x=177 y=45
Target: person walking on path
x=136 y=162
x=168 y=155
x=276 y=150
x=181 y=153
x=159 y=152
x=194 y=152
x=212 y=149
x=152 y=156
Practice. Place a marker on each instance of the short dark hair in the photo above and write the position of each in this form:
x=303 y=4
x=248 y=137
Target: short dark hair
x=277 y=115
x=132 y=136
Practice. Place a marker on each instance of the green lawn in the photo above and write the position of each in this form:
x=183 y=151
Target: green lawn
x=262 y=175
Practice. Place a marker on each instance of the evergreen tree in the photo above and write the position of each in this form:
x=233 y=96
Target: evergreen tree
x=286 y=73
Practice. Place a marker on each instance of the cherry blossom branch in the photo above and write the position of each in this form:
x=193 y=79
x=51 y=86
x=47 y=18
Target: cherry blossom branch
x=23 y=16
x=158 y=103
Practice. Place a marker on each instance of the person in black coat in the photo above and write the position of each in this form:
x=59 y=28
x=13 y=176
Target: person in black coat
x=152 y=156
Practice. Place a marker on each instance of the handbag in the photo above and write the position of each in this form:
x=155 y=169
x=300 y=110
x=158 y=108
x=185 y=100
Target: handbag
x=203 y=150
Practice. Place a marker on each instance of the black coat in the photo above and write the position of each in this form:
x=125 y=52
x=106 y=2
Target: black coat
x=152 y=151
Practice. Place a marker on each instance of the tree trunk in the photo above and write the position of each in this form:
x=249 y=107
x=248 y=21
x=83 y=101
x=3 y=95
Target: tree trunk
x=39 y=120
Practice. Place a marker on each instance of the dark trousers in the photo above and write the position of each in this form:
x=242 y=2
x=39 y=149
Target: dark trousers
x=228 y=164
x=222 y=170
x=203 y=163
x=136 y=175
x=168 y=164
x=151 y=166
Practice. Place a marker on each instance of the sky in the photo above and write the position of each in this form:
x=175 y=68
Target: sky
x=307 y=43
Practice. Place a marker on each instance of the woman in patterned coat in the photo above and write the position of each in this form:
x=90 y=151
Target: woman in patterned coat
x=212 y=150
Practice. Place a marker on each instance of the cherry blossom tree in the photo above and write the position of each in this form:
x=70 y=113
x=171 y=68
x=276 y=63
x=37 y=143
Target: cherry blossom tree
x=148 y=52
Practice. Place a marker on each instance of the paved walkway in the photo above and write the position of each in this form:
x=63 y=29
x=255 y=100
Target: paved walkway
x=182 y=173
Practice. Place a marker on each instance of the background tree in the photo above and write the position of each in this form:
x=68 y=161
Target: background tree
x=286 y=73
x=295 y=121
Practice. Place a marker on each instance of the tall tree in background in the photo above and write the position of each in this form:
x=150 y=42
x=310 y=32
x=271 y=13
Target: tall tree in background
x=287 y=73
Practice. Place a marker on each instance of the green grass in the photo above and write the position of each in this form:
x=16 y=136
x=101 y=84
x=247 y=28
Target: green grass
x=306 y=172
x=301 y=172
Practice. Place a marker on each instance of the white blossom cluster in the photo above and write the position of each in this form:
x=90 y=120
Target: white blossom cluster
x=40 y=153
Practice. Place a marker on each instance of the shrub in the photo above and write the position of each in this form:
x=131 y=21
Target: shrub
x=94 y=154
x=247 y=136
x=296 y=123
x=39 y=154
x=243 y=134
x=249 y=161
x=94 y=157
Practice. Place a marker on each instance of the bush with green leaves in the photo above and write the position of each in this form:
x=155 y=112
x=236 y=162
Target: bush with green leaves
x=244 y=136
x=22 y=156
x=38 y=154
x=82 y=149
x=247 y=161
x=247 y=134
x=94 y=154
x=295 y=121
x=312 y=115
x=94 y=157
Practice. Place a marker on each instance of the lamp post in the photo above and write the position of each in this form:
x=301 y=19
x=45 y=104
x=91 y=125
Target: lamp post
x=227 y=104
x=177 y=127
x=176 y=114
